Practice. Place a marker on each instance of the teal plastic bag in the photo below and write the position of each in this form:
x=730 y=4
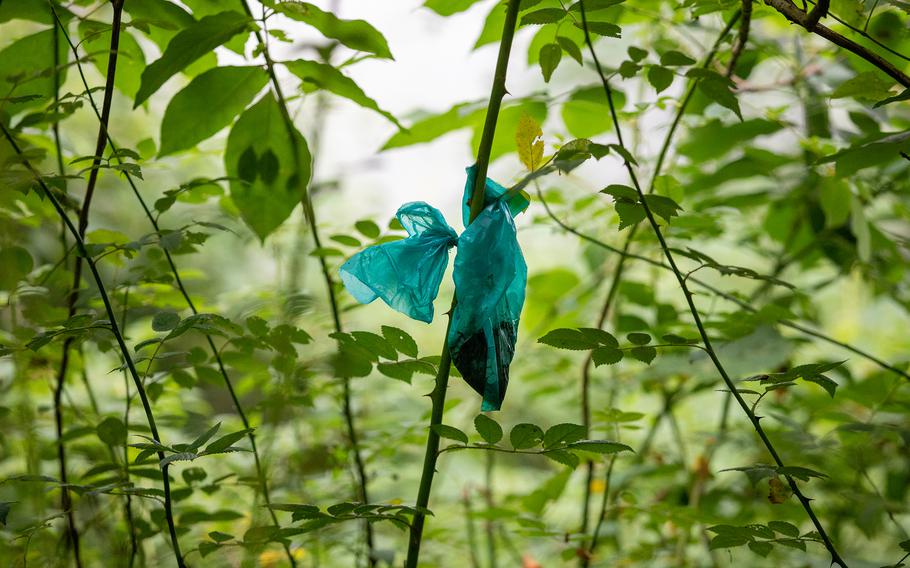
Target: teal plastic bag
x=490 y=276
x=405 y=274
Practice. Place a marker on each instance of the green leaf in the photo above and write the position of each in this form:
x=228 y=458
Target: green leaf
x=96 y=40
x=356 y=34
x=801 y=473
x=346 y=240
x=637 y=53
x=761 y=547
x=317 y=75
x=449 y=7
x=719 y=89
x=629 y=213
x=25 y=66
x=728 y=541
x=267 y=180
x=489 y=429
x=600 y=447
x=621 y=192
x=450 y=433
x=570 y=47
x=375 y=344
x=675 y=58
x=784 y=528
x=204 y=437
x=550 y=56
x=563 y=457
x=879 y=150
x=593 y=5
x=206 y=548
x=644 y=354
x=189 y=45
x=824 y=382
x=17 y=262
x=111 y=431
x=606 y=356
x=602 y=337
x=865 y=86
x=572 y=339
x=583 y=112
x=524 y=436
x=400 y=340
x=433 y=126
x=220 y=536
x=562 y=434
x=179 y=456
x=543 y=16
x=903 y=96
x=209 y=103
x=368 y=228
x=226 y=441
x=660 y=77
x=663 y=206
x=639 y=338
x=165 y=321
x=602 y=29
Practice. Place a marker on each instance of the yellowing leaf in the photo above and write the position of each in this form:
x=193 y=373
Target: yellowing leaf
x=529 y=140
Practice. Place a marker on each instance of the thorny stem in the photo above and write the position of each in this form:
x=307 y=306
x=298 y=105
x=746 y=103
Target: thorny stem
x=260 y=474
x=706 y=341
x=624 y=252
x=725 y=295
x=438 y=395
x=115 y=329
x=586 y=390
x=310 y=215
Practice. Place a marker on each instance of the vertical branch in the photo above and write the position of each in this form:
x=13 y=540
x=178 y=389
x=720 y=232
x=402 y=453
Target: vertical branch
x=743 y=37
x=586 y=393
x=438 y=395
x=100 y=145
x=65 y=499
x=706 y=340
x=115 y=329
x=469 y=527
x=310 y=216
x=621 y=263
x=260 y=474
x=488 y=498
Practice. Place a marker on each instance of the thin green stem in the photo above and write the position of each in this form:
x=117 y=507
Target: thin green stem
x=65 y=499
x=260 y=473
x=586 y=392
x=490 y=502
x=470 y=528
x=706 y=341
x=310 y=216
x=115 y=329
x=478 y=197
x=100 y=145
x=725 y=295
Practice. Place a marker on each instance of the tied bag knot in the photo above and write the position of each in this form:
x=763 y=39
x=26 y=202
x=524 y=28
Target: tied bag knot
x=490 y=276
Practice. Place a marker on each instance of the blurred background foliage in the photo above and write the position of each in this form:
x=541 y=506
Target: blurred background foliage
x=787 y=154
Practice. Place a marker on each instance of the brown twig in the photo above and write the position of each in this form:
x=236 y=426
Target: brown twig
x=743 y=37
x=790 y=11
